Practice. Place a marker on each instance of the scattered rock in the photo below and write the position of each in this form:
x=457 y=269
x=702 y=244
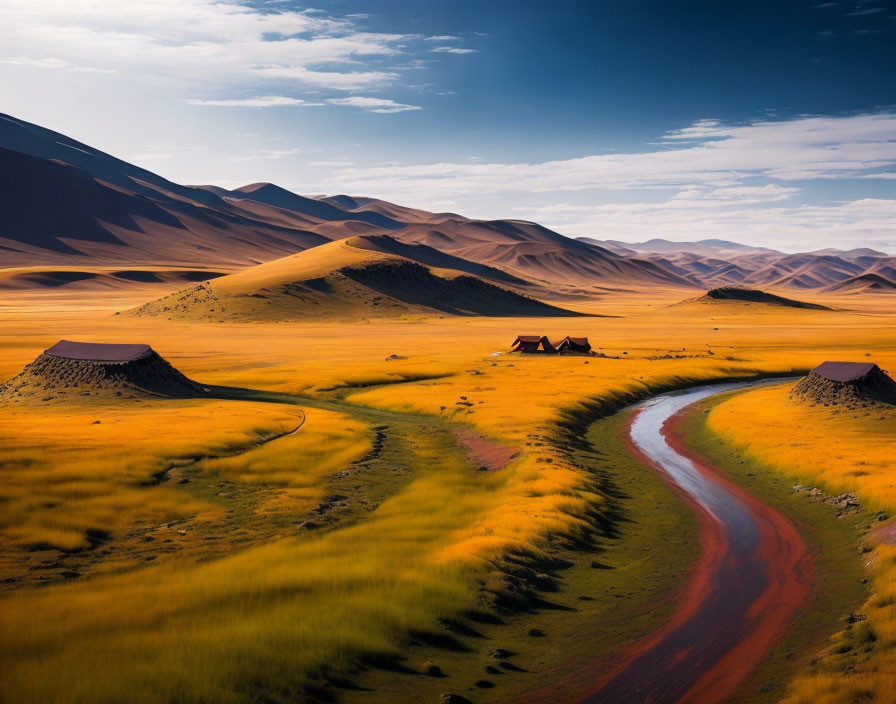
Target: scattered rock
x=536 y=633
x=435 y=671
x=451 y=698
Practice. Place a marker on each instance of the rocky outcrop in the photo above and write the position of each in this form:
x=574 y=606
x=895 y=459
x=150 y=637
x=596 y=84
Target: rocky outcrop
x=49 y=377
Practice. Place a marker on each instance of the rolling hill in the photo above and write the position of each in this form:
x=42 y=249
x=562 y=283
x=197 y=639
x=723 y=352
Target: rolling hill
x=361 y=277
x=747 y=296
x=865 y=283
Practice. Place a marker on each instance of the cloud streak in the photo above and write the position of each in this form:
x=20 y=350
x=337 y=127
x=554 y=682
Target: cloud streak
x=451 y=50
x=265 y=101
x=806 y=148
x=379 y=105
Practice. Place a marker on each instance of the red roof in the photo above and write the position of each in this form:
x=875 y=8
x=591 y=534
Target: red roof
x=528 y=338
x=843 y=371
x=578 y=340
x=99 y=352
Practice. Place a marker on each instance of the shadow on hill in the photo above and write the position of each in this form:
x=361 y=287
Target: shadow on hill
x=433 y=257
x=413 y=283
x=750 y=295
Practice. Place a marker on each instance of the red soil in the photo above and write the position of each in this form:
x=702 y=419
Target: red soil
x=484 y=453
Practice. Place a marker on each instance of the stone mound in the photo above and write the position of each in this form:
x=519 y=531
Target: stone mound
x=847 y=384
x=72 y=369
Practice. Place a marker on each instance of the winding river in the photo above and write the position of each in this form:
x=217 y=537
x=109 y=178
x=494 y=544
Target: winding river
x=753 y=571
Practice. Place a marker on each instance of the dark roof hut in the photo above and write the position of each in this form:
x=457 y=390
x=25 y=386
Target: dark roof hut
x=528 y=343
x=846 y=383
x=573 y=345
x=96 y=369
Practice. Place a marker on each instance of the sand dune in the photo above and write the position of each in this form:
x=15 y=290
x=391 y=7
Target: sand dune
x=374 y=277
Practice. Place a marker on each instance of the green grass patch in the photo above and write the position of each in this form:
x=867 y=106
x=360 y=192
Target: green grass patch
x=605 y=595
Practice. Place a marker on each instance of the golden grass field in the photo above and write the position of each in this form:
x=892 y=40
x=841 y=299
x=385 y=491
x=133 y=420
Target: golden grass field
x=218 y=576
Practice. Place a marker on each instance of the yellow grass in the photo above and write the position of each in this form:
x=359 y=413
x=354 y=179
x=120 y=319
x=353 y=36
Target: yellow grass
x=62 y=474
x=264 y=619
x=841 y=450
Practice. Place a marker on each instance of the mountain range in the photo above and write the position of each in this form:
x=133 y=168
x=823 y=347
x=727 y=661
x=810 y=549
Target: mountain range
x=65 y=204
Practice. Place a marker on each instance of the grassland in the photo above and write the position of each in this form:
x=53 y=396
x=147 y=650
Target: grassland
x=269 y=606
x=593 y=596
x=838 y=451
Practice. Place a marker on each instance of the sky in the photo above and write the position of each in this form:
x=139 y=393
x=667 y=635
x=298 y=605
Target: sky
x=768 y=123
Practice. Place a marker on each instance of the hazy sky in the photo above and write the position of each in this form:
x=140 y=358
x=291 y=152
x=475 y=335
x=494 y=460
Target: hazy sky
x=764 y=122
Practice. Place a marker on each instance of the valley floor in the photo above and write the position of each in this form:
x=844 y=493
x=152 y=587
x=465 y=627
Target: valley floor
x=349 y=559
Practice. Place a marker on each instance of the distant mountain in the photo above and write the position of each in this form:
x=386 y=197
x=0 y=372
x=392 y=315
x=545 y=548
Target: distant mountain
x=67 y=204
x=705 y=248
x=532 y=251
x=610 y=245
x=273 y=195
x=64 y=202
x=70 y=204
x=857 y=253
x=865 y=283
x=357 y=204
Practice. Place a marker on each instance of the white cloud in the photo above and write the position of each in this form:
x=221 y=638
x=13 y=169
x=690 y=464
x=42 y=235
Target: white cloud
x=443 y=38
x=323 y=162
x=862 y=222
x=380 y=105
x=266 y=154
x=786 y=150
x=264 y=101
x=149 y=156
x=200 y=45
x=53 y=63
x=741 y=182
x=452 y=50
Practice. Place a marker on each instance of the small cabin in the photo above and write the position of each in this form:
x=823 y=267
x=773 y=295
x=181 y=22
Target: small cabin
x=849 y=384
x=846 y=372
x=99 y=352
x=573 y=345
x=542 y=344
x=530 y=343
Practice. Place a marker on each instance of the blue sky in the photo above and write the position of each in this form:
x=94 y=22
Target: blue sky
x=766 y=122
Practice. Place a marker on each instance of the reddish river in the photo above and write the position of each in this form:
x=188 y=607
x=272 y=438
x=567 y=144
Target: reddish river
x=752 y=572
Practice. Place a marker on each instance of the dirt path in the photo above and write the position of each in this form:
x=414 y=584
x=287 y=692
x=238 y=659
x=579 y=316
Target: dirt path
x=753 y=571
